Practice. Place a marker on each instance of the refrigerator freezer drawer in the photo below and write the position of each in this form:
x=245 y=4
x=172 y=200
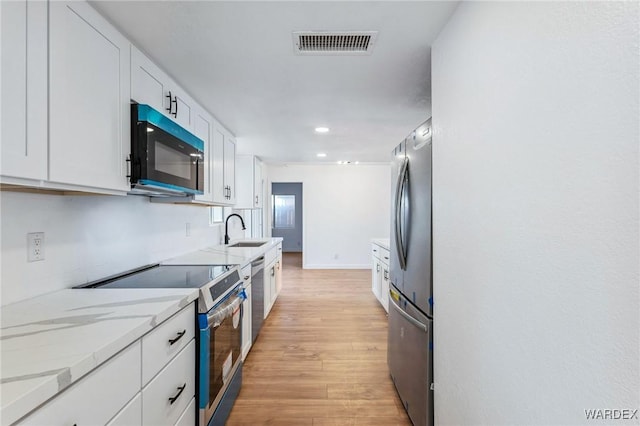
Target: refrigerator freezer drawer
x=409 y=358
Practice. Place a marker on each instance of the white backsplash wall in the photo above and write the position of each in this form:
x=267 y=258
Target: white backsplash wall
x=344 y=207
x=90 y=237
x=535 y=213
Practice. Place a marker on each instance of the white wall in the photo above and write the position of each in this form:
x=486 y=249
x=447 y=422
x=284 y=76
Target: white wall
x=536 y=283
x=90 y=237
x=343 y=208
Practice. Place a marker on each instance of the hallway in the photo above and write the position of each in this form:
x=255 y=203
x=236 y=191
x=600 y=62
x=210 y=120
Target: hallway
x=320 y=358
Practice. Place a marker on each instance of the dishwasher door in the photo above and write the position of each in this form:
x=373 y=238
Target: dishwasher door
x=409 y=356
x=257 y=297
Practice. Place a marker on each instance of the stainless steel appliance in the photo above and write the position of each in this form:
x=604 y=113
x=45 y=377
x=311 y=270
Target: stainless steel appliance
x=220 y=351
x=257 y=297
x=219 y=341
x=410 y=347
x=166 y=159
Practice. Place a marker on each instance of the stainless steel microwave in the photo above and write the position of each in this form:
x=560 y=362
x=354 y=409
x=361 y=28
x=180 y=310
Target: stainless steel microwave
x=166 y=159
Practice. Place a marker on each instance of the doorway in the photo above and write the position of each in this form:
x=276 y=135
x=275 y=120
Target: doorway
x=286 y=218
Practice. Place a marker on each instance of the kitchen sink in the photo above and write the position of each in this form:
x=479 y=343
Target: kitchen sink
x=249 y=244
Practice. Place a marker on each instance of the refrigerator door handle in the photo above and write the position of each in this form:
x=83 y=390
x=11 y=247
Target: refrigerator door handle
x=398 y=216
x=406 y=316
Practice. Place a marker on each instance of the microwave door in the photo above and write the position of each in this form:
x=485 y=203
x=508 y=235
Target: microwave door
x=173 y=162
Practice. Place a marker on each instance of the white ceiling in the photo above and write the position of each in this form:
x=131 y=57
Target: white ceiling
x=236 y=59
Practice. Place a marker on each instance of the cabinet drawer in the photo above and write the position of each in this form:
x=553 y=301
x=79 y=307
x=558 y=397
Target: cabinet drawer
x=130 y=415
x=245 y=273
x=271 y=255
x=157 y=346
x=188 y=418
x=169 y=393
x=96 y=398
x=380 y=252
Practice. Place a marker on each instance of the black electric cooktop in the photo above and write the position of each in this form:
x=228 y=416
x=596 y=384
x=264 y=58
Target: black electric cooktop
x=163 y=276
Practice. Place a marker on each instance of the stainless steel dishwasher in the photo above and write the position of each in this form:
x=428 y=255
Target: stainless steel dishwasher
x=257 y=297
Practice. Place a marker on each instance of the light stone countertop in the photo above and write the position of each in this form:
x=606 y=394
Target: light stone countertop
x=51 y=341
x=382 y=242
x=225 y=255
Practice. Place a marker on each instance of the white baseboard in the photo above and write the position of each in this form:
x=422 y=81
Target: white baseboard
x=352 y=266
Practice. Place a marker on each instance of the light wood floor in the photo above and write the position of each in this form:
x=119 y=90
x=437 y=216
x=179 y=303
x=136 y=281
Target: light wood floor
x=321 y=355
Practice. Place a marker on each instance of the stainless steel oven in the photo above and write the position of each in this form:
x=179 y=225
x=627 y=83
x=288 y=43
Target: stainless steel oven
x=220 y=363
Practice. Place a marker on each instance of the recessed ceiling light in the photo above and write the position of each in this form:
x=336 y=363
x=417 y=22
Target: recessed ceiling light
x=321 y=155
x=322 y=129
x=340 y=162
x=357 y=162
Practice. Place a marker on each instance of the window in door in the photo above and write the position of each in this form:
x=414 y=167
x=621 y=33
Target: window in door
x=284 y=211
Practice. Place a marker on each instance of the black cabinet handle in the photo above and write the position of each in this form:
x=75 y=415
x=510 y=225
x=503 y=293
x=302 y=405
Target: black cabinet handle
x=256 y=200
x=174 y=340
x=174 y=398
x=175 y=102
x=386 y=257
x=170 y=101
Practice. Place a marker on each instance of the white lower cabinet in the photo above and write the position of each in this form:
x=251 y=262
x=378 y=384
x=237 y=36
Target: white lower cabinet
x=130 y=415
x=272 y=277
x=98 y=397
x=115 y=394
x=188 y=417
x=164 y=342
x=165 y=398
x=380 y=275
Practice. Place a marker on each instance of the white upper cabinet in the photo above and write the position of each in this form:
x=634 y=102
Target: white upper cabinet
x=230 y=168
x=203 y=128
x=23 y=115
x=223 y=161
x=89 y=91
x=152 y=86
x=249 y=182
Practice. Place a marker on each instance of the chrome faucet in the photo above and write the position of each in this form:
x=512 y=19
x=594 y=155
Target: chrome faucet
x=226 y=226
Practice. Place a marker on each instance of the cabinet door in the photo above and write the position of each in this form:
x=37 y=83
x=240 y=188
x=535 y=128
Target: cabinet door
x=246 y=321
x=183 y=108
x=130 y=415
x=384 y=288
x=258 y=183
x=230 y=168
x=376 y=280
x=272 y=282
x=23 y=114
x=203 y=129
x=217 y=167
x=278 y=277
x=97 y=397
x=89 y=91
x=148 y=82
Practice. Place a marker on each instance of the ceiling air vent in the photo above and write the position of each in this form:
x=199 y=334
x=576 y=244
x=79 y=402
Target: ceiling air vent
x=333 y=43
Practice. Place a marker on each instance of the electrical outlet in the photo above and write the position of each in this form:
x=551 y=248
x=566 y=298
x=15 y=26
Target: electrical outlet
x=35 y=246
x=188 y=229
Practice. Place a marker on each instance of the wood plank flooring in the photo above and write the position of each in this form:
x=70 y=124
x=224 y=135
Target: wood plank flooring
x=321 y=355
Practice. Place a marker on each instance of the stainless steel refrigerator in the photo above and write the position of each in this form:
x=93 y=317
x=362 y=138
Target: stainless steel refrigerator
x=410 y=344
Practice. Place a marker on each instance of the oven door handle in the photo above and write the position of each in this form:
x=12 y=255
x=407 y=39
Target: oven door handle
x=227 y=309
